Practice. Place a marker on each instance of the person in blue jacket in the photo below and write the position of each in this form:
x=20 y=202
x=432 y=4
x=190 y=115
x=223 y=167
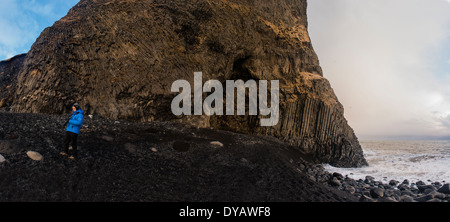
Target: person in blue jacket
x=72 y=131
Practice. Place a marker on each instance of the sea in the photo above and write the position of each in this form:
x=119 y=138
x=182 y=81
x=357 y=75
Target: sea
x=426 y=161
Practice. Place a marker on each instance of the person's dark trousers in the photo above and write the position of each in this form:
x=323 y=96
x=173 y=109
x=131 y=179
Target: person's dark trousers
x=70 y=138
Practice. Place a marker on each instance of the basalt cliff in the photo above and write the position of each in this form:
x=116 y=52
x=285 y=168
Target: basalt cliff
x=119 y=58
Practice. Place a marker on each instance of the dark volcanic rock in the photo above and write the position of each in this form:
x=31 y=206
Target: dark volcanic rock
x=370 y=190
x=9 y=69
x=377 y=192
x=181 y=146
x=445 y=189
x=8 y=147
x=119 y=59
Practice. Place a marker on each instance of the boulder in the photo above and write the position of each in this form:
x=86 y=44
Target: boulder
x=130 y=147
x=420 y=183
x=403 y=187
x=423 y=188
x=377 y=192
x=338 y=176
x=350 y=189
x=8 y=78
x=444 y=189
x=369 y=179
x=181 y=146
x=406 y=198
x=438 y=195
x=335 y=182
x=425 y=198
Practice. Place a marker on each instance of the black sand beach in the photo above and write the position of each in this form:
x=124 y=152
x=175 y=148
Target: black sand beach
x=158 y=161
x=122 y=161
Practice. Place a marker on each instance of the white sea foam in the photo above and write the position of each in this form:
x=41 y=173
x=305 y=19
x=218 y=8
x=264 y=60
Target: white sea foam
x=428 y=161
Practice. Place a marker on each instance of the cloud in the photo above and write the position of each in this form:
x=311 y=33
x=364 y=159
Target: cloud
x=21 y=22
x=383 y=61
x=16 y=29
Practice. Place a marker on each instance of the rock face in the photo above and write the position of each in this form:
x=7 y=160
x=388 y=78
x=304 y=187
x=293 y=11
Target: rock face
x=9 y=70
x=119 y=58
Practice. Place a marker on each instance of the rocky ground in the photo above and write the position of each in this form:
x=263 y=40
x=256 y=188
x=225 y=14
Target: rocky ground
x=163 y=161
x=157 y=161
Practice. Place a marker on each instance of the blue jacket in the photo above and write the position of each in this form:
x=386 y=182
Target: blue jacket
x=75 y=121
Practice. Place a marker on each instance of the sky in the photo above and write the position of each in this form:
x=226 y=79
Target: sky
x=388 y=62
x=21 y=22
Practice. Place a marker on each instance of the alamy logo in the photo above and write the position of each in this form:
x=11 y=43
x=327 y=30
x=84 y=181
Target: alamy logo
x=256 y=99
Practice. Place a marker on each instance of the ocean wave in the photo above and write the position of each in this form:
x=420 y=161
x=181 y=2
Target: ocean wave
x=425 y=161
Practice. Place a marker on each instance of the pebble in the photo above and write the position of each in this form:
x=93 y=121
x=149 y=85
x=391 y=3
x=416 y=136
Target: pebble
x=377 y=192
x=365 y=198
x=426 y=188
x=403 y=186
x=335 y=182
x=338 y=176
x=445 y=189
x=7 y=147
x=406 y=198
x=181 y=146
x=394 y=182
x=243 y=160
x=107 y=138
x=424 y=198
x=350 y=189
x=35 y=156
x=130 y=148
x=436 y=194
x=216 y=143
